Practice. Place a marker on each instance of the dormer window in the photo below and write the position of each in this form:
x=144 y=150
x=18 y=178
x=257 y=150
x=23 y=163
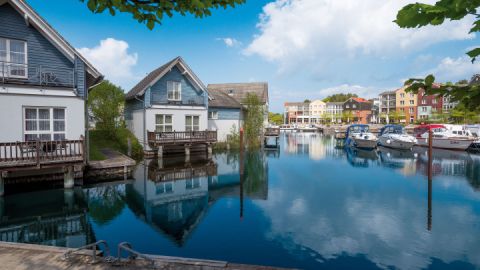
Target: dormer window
x=13 y=58
x=174 y=91
x=230 y=92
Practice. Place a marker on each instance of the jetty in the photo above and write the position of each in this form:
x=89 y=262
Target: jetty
x=271 y=137
x=17 y=256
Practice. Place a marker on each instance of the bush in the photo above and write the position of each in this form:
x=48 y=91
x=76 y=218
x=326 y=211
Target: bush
x=100 y=139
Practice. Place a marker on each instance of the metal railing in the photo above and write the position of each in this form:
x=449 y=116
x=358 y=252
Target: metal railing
x=182 y=137
x=159 y=99
x=125 y=246
x=38 y=153
x=45 y=75
x=68 y=254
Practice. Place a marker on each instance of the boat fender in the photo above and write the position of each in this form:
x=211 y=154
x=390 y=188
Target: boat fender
x=389 y=142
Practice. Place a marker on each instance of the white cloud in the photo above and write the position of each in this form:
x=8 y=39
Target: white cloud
x=112 y=58
x=320 y=33
x=455 y=69
x=230 y=42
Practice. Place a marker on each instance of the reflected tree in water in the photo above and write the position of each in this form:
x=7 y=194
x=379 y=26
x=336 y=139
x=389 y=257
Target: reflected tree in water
x=105 y=203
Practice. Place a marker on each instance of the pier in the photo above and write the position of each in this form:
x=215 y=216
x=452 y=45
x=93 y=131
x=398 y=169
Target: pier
x=271 y=137
x=28 y=256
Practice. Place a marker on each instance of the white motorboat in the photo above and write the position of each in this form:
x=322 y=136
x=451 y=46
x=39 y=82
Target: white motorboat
x=394 y=136
x=359 y=136
x=442 y=137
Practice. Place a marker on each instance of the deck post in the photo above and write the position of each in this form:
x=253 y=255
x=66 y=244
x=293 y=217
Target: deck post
x=69 y=198
x=68 y=177
x=2 y=184
x=160 y=163
x=187 y=153
x=160 y=151
x=209 y=151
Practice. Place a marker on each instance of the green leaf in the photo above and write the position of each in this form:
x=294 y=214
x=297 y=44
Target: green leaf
x=474 y=54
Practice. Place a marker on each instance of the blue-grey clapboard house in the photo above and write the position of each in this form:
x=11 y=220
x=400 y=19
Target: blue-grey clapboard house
x=170 y=98
x=44 y=81
x=225 y=114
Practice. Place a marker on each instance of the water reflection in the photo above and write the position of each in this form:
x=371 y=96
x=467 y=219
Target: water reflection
x=173 y=196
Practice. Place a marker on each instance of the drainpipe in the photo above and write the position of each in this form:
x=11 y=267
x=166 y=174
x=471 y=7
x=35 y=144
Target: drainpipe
x=144 y=122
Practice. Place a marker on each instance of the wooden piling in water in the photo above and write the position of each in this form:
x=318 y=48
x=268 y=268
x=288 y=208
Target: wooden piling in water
x=430 y=175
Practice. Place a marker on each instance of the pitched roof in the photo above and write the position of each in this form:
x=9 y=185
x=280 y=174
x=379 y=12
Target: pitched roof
x=360 y=99
x=32 y=17
x=239 y=91
x=159 y=72
x=219 y=99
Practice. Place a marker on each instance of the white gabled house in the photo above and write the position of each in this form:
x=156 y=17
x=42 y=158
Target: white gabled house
x=170 y=99
x=44 y=81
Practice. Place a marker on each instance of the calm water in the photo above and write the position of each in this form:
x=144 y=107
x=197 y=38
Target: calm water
x=308 y=205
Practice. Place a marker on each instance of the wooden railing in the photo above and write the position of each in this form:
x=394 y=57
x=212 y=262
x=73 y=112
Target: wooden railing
x=181 y=137
x=40 y=153
x=272 y=131
x=179 y=173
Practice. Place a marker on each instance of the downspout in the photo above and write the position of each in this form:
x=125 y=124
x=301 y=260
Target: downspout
x=144 y=122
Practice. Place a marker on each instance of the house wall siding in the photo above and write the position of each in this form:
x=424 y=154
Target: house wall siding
x=188 y=94
x=11 y=113
x=226 y=113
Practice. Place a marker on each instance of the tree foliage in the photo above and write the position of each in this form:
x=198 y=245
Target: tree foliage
x=275 y=118
x=152 y=12
x=106 y=102
x=339 y=97
x=420 y=14
x=253 y=122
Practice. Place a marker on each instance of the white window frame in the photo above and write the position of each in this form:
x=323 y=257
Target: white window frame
x=412 y=102
x=161 y=188
x=193 y=183
x=162 y=127
x=175 y=89
x=8 y=63
x=213 y=115
x=192 y=126
x=51 y=131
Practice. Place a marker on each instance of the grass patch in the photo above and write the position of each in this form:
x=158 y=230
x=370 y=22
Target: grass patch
x=100 y=139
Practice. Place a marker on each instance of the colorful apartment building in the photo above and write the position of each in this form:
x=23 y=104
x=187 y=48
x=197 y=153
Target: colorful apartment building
x=360 y=108
x=334 y=111
x=318 y=109
x=387 y=105
x=297 y=112
x=428 y=105
x=406 y=106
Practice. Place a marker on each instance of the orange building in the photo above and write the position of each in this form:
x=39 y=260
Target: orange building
x=406 y=106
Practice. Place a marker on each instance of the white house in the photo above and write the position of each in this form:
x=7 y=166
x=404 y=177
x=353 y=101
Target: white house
x=44 y=81
x=170 y=98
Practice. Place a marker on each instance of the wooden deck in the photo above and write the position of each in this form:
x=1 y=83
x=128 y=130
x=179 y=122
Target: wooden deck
x=272 y=132
x=16 y=156
x=181 y=137
x=187 y=172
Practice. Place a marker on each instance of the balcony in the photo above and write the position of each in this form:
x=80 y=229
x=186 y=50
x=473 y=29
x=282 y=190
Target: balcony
x=38 y=75
x=159 y=99
x=181 y=137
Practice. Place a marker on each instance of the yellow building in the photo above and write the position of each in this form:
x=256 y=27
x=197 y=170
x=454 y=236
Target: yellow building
x=317 y=110
x=406 y=106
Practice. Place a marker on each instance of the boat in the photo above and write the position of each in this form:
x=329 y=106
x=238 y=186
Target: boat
x=394 y=136
x=442 y=137
x=359 y=136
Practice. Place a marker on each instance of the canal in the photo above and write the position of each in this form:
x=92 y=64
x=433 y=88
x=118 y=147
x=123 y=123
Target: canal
x=307 y=205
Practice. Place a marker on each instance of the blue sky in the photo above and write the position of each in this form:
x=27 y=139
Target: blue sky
x=302 y=48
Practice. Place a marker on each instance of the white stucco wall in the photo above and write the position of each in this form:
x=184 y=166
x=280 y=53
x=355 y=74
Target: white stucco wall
x=11 y=114
x=178 y=117
x=136 y=125
x=223 y=127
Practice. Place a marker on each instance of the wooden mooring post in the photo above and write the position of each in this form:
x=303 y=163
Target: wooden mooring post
x=430 y=176
x=242 y=169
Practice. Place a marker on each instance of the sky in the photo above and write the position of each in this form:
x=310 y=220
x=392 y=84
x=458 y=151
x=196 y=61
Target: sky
x=302 y=48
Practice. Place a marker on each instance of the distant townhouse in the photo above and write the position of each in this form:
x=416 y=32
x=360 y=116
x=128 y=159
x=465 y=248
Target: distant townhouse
x=44 y=84
x=240 y=91
x=428 y=105
x=225 y=114
x=297 y=112
x=361 y=110
x=406 y=105
x=387 y=105
x=317 y=110
x=171 y=98
x=334 y=111
x=375 y=115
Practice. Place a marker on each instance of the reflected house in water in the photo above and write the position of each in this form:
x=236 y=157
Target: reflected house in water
x=173 y=196
x=361 y=158
x=59 y=218
x=306 y=143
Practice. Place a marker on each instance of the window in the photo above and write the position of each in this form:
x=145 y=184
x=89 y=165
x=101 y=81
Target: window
x=402 y=95
x=412 y=102
x=163 y=123
x=424 y=109
x=411 y=110
x=174 y=90
x=424 y=101
x=13 y=55
x=434 y=101
x=192 y=123
x=44 y=124
x=412 y=95
x=354 y=106
x=192 y=183
x=402 y=102
x=434 y=109
x=347 y=106
x=213 y=115
x=163 y=188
